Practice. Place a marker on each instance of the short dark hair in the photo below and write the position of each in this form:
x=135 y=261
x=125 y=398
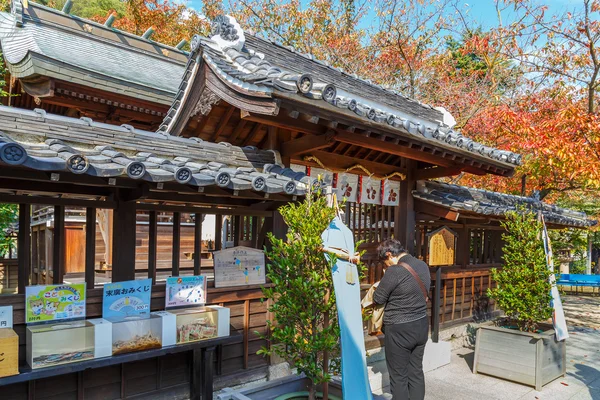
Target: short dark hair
x=392 y=246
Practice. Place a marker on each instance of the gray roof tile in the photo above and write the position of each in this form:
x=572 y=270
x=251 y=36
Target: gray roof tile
x=484 y=202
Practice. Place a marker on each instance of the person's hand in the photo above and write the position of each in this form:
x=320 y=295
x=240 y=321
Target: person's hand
x=355 y=259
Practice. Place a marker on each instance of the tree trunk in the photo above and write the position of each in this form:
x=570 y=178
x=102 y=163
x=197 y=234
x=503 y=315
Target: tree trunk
x=311 y=391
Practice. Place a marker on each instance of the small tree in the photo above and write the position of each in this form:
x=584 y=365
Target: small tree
x=305 y=331
x=523 y=287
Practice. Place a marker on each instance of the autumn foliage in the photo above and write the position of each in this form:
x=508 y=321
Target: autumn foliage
x=526 y=80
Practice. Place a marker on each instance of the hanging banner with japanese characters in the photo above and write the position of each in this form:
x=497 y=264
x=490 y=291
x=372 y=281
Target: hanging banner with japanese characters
x=45 y=303
x=185 y=291
x=298 y=168
x=126 y=299
x=347 y=187
x=391 y=190
x=370 y=190
x=239 y=266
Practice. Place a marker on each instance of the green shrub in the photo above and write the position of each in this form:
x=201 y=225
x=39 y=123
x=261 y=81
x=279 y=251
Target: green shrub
x=302 y=293
x=523 y=288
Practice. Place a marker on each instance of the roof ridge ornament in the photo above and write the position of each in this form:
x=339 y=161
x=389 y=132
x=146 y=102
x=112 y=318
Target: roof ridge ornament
x=16 y=8
x=227 y=33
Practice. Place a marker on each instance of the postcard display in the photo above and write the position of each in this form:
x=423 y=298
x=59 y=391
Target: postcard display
x=57 y=332
x=9 y=344
x=188 y=319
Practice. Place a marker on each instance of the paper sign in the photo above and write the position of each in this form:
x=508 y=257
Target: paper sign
x=6 y=317
x=129 y=298
x=54 y=302
x=370 y=191
x=239 y=266
x=326 y=176
x=391 y=192
x=185 y=291
x=347 y=187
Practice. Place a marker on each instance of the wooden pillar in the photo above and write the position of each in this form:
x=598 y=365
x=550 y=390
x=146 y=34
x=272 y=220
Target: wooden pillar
x=176 y=244
x=279 y=226
x=237 y=229
x=254 y=233
x=462 y=247
x=152 y=244
x=218 y=232
x=90 y=247
x=123 y=250
x=23 y=246
x=197 y=243
x=404 y=218
x=58 y=245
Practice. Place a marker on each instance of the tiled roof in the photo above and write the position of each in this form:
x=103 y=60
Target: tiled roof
x=47 y=142
x=257 y=66
x=484 y=202
x=50 y=43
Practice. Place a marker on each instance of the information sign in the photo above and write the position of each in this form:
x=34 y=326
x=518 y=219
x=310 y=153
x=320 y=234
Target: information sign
x=239 y=266
x=6 y=317
x=442 y=247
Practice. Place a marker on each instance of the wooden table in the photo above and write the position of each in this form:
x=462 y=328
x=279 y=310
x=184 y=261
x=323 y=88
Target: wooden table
x=201 y=384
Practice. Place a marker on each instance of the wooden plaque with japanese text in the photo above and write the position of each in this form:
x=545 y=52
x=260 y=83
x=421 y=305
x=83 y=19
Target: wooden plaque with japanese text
x=442 y=247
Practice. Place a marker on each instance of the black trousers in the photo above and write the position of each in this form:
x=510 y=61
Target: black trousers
x=404 y=348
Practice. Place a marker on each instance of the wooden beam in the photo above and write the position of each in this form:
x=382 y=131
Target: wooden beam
x=286 y=123
x=24 y=247
x=307 y=144
x=390 y=148
x=197 y=242
x=272 y=142
x=58 y=245
x=236 y=132
x=205 y=210
x=176 y=244
x=218 y=232
x=436 y=172
x=436 y=210
x=124 y=235
x=338 y=161
x=152 y=245
x=236 y=227
x=251 y=134
x=90 y=247
x=223 y=122
x=404 y=217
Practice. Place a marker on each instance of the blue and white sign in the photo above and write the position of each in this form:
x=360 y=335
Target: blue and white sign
x=185 y=291
x=6 y=317
x=125 y=299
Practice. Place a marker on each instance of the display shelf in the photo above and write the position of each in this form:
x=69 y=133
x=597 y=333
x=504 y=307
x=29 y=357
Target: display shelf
x=27 y=374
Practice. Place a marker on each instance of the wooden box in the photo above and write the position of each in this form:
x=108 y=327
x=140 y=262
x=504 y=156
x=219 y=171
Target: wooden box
x=9 y=352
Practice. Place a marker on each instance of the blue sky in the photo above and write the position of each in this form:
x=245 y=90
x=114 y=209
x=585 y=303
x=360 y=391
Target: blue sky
x=482 y=11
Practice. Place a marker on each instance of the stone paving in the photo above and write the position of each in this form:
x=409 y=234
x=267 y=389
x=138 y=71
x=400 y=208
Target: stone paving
x=582 y=381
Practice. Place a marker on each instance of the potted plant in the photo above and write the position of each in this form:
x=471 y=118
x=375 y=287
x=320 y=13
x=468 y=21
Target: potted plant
x=521 y=347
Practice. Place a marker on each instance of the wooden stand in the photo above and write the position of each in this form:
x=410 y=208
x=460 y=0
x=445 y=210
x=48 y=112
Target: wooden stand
x=9 y=352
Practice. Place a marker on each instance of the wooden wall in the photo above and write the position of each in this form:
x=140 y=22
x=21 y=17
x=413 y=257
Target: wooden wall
x=9 y=272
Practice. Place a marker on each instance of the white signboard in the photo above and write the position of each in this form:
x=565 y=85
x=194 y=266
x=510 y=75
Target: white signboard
x=6 y=317
x=347 y=187
x=239 y=266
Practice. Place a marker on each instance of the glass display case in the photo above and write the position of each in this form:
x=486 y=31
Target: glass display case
x=59 y=343
x=136 y=333
x=196 y=324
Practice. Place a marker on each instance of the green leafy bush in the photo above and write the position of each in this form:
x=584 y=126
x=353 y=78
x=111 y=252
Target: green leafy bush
x=523 y=288
x=303 y=301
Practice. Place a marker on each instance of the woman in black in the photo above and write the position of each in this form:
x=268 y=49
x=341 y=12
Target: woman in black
x=405 y=321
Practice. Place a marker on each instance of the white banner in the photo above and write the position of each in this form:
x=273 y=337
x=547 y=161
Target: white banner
x=370 y=190
x=391 y=193
x=326 y=176
x=347 y=187
x=558 y=315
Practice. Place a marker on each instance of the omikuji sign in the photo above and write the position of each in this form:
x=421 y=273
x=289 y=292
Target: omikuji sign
x=442 y=247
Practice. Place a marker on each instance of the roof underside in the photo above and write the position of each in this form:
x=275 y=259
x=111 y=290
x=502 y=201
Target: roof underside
x=471 y=201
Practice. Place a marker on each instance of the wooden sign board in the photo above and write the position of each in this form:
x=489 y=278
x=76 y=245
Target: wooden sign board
x=239 y=266
x=442 y=247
